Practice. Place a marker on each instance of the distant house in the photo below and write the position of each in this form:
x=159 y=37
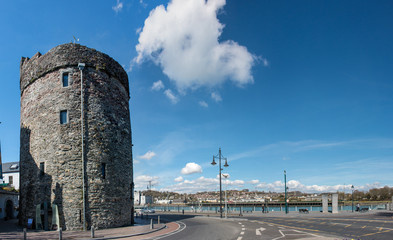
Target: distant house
x=11 y=174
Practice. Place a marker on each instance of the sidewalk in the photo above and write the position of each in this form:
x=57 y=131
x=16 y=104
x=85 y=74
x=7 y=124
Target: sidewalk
x=10 y=230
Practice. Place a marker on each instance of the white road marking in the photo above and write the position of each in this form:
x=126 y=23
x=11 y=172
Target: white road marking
x=243 y=229
x=239 y=238
x=259 y=231
x=241 y=233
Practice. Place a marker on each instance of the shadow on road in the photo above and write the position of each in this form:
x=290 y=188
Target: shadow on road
x=384 y=214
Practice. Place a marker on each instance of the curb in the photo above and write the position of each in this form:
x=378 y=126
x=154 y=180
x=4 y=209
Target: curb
x=125 y=236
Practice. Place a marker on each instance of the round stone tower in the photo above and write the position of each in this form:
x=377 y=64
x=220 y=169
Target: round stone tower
x=75 y=143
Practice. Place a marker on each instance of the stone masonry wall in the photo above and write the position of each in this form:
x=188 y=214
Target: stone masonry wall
x=107 y=138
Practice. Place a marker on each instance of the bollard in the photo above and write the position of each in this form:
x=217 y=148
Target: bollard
x=151 y=224
x=24 y=233
x=92 y=231
x=158 y=220
x=60 y=234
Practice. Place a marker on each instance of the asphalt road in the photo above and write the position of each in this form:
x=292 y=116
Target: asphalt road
x=211 y=228
x=281 y=226
x=356 y=226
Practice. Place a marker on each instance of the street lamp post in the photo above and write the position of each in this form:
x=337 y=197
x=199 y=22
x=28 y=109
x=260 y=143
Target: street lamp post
x=226 y=188
x=81 y=66
x=286 y=202
x=219 y=156
x=352 y=187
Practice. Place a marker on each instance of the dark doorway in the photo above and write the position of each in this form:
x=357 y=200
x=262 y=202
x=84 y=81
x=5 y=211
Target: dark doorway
x=9 y=209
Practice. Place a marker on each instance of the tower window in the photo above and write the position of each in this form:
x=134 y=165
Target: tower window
x=103 y=170
x=63 y=117
x=65 y=79
x=42 y=168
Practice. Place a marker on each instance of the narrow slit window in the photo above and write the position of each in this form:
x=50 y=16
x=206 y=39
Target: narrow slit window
x=11 y=180
x=65 y=79
x=103 y=170
x=63 y=117
x=42 y=168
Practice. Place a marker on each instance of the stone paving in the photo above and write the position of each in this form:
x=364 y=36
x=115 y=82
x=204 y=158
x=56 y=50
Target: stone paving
x=10 y=230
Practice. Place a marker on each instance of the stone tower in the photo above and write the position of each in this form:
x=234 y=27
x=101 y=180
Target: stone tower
x=91 y=184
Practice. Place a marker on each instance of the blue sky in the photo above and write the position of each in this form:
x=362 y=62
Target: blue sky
x=301 y=86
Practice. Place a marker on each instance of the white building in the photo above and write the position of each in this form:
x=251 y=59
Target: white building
x=140 y=199
x=11 y=174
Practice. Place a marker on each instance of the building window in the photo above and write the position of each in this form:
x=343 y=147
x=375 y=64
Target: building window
x=65 y=79
x=42 y=168
x=103 y=170
x=10 y=180
x=63 y=117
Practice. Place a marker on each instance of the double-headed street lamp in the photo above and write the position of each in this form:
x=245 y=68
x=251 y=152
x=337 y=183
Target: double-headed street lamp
x=219 y=156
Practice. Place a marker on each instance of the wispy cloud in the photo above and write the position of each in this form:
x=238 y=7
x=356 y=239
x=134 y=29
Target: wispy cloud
x=179 y=179
x=118 y=7
x=147 y=156
x=157 y=86
x=216 y=97
x=171 y=96
x=203 y=104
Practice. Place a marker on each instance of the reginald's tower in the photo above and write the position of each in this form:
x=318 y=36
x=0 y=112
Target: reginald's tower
x=75 y=143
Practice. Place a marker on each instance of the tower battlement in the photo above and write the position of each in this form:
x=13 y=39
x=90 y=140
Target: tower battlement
x=69 y=55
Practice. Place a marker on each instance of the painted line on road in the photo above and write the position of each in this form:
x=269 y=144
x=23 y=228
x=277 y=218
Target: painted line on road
x=286 y=226
x=239 y=238
x=179 y=229
x=243 y=229
x=241 y=233
x=369 y=234
x=348 y=219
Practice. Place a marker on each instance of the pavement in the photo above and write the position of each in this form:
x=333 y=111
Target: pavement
x=141 y=230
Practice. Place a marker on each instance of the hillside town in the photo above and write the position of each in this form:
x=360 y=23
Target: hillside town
x=247 y=196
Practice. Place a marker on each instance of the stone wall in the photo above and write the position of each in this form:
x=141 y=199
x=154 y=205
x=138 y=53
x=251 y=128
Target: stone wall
x=107 y=134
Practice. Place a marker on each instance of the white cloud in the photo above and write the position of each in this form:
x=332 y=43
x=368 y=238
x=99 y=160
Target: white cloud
x=179 y=179
x=169 y=94
x=183 y=40
x=295 y=185
x=147 y=156
x=191 y=168
x=118 y=7
x=203 y=104
x=256 y=181
x=202 y=184
x=157 y=86
x=142 y=181
x=216 y=97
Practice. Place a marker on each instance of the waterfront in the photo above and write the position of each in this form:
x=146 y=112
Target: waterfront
x=259 y=208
